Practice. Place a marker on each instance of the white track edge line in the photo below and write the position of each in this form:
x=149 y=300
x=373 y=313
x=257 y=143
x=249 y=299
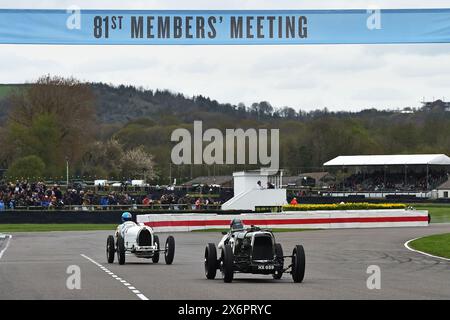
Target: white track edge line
x=7 y=244
x=132 y=289
x=142 y=297
x=406 y=244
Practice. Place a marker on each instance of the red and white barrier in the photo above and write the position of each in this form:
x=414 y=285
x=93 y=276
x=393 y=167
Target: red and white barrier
x=292 y=219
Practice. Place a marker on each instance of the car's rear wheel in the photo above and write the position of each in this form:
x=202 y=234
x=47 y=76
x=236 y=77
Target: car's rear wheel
x=298 y=264
x=210 y=261
x=227 y=263
x=279 y=257
x=110 y=249
x=155 y=257
x=120 y=249
x=169 y=253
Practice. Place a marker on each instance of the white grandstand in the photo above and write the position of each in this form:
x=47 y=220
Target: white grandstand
x=376 y=176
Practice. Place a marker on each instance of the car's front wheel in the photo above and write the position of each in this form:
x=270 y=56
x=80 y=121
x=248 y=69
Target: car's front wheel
x=298 y=263
x=169 y=253
x=110 y=249
x=210 y=261
x=120 y=249
x=227 y=263
x=155 y=257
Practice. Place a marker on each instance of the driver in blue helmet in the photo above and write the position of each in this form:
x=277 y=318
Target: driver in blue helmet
x=126 y=216
x=127 y=222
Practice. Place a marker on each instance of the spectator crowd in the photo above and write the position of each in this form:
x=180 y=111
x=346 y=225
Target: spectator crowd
x=24 y=194
x=379 y=181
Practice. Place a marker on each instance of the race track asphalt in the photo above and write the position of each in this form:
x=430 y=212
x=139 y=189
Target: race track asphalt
x=34 y=266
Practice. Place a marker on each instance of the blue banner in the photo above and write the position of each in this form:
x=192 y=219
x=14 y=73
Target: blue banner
x=255 y=27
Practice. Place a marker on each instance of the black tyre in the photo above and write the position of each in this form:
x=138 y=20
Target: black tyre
x=169 y=252
x=110 y=249
x=280 y=259
x=120 y=250
x=155 y=257
x=298 y=264
x=227 y=263
x=210 y=261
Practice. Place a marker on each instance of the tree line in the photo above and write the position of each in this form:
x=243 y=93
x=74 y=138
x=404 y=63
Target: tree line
x=122 y=132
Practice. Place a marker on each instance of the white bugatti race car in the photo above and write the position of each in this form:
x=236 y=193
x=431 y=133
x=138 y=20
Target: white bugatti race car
x=252 y=250
x=139 y=240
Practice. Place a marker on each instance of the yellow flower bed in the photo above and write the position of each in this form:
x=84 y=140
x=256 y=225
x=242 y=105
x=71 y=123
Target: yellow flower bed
x=343 y=206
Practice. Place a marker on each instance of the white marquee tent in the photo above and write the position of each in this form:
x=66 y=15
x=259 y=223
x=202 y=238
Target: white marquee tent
x=404 y=160
x=389 y=160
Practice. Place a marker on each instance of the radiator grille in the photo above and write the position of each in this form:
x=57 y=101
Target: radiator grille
x=144 y=238
x=262 y=248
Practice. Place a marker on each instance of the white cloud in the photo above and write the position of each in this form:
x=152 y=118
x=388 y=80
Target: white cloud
x=338 y=77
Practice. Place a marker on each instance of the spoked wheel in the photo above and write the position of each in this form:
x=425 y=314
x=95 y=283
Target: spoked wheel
x=169 y=252
x=227 y=263
x=155 y=257
x=298 y=264
x=110 y=249
x=210 y=261
x=280 y=259
x=120 y=250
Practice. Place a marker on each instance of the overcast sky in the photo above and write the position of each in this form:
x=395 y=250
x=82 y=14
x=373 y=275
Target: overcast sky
x=345 y=77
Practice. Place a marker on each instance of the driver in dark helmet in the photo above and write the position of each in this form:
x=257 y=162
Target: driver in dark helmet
x=236 y=224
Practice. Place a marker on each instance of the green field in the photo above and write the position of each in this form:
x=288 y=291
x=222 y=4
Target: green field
x=29 y=227
x=439 y=212
x=438 y=245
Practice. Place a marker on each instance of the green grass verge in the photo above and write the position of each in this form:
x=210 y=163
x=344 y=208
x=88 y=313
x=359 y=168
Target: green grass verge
x=440 y=213
x=273 y=230
x=438 y=245
x=31 y=227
